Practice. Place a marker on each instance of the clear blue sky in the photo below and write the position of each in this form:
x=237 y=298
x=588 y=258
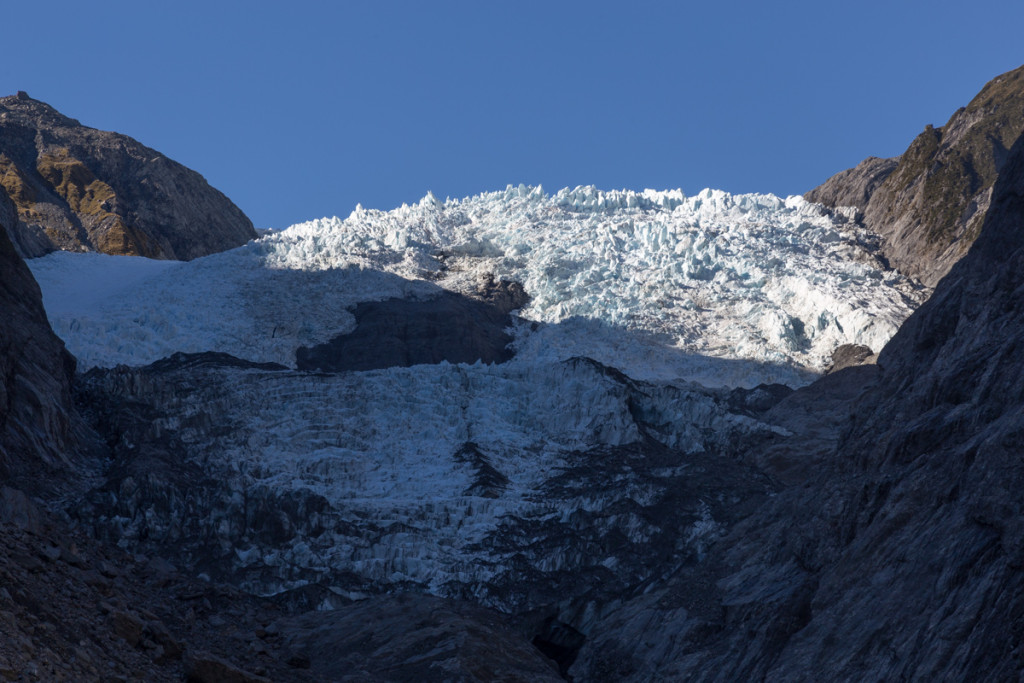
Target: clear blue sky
x=299 y=109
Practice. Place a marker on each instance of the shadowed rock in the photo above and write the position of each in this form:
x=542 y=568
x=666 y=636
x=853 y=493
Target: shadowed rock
x=849 y=355
x=402 y=332
x=488 y=482
x=208 y=359
x=413 y=638
x=40 y=432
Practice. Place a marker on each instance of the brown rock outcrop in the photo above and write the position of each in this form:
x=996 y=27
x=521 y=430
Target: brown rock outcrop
x=929 y=203
x=80 y=189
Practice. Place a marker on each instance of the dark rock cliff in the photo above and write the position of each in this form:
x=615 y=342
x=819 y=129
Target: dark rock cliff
x=400 y=332
x=929 y=203
x=931 y=512
x=896 y=550
x=40 y=432
x=81 y=189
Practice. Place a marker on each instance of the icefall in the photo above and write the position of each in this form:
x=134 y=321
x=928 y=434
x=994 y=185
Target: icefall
x=720 y=288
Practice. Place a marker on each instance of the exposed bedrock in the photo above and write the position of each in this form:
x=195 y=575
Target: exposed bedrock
x=929 y=203
x=896 y=552
x=41 y=435
x=80 y=189
x=403 y=332
x=412 y=638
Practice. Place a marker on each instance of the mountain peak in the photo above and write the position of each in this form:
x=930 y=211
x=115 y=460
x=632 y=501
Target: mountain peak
x=25 y=109
x=929 y=203
x=77 y=188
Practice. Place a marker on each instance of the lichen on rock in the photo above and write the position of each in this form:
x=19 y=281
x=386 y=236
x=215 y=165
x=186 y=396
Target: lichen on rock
x=80 y=189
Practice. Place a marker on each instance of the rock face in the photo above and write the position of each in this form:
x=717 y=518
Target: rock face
x=866 y=527
x=896 y=551
x=73 y=609
x=413 y=638
x=39 y=428
x=849 y=355
x=929 y=203
x=399 y=332
x=81 y=189
x=854 y=186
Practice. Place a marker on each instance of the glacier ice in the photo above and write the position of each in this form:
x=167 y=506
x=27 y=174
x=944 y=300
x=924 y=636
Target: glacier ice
x=462 y=478
x=381 y=449
x=725 y=289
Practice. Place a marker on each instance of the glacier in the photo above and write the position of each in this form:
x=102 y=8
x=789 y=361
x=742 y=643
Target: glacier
x=654 y=283
x=439 y=477
x=546 y=482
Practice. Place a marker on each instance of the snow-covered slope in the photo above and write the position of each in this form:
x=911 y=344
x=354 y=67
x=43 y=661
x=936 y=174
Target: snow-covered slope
x=724 y=289
x=449 y=478
x=554 y=481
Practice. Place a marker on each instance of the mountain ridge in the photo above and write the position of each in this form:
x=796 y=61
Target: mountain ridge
x=867 y=525
x=82 y=189
x=928 y=203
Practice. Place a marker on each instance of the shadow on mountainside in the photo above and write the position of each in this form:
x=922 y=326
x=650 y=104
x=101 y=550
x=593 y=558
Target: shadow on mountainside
x=401 y=332
x=604 y=522
x=898 y=555
x=429 y=324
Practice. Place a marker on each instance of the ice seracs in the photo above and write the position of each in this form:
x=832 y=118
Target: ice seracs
x=726 y=289
x=587 y=452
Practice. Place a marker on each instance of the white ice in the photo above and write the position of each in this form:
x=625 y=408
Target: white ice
x=716 y=288
x=725 y=289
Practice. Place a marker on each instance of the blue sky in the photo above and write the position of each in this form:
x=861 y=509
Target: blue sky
x=302 y=109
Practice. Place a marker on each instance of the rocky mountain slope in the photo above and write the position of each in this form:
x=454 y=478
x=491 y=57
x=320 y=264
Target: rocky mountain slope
x=929 y=203
x=75 y=609
x=40 y=432
x=81 y=189
x=896 y=552
x=552 y=514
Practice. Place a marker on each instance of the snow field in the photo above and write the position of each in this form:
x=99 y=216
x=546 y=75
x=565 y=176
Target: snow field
x=659 y=285
x=719 y=289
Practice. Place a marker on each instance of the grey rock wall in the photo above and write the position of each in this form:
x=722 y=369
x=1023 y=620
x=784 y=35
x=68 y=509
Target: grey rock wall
x=40 y=431
x=895 y=550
